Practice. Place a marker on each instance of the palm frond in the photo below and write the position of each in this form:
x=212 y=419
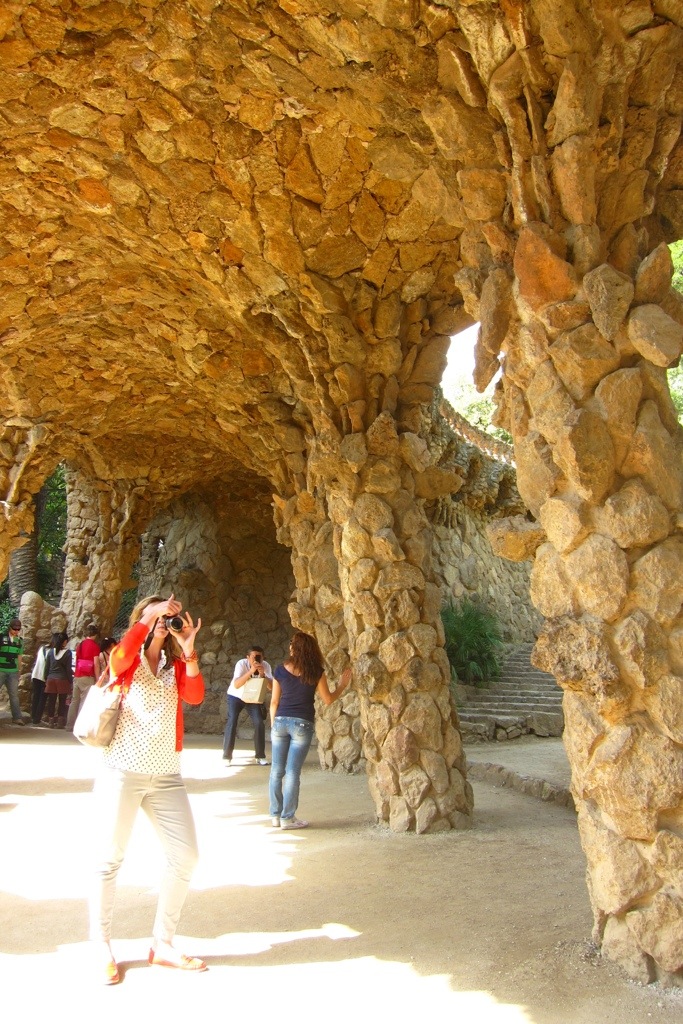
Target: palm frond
x=473 y=641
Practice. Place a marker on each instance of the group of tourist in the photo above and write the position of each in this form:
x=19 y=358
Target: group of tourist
x=293 y=687
x=156 y=668
x=61 y=678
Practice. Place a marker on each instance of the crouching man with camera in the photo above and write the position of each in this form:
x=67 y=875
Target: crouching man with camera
x=251 y=680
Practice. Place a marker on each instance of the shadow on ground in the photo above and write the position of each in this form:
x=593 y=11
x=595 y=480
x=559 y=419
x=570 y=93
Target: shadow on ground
x=341 y=921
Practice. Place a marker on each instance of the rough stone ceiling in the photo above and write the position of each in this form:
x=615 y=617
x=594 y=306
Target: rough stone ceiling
x=217 y=215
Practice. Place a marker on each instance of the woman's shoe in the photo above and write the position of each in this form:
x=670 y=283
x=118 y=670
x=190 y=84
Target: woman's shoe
x=103 y=963
x=183 y=963
x=292 y=823
x=111 y=973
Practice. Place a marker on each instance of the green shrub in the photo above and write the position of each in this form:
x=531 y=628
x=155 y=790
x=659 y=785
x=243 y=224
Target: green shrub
x=7 y=613
x=473 y=642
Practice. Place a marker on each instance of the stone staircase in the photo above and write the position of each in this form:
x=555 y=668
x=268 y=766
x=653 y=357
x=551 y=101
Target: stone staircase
x=524 y=700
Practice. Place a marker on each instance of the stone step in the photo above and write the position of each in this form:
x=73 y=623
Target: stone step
x=522 y=700
x=541 y=723
x=536 y=677
x=500 y=719
x=516 y=706
x=506 y=688
x=516 y=695
x=510 y=673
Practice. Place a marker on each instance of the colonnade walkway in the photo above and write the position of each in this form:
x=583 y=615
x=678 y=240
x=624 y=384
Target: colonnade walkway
x=342 y=921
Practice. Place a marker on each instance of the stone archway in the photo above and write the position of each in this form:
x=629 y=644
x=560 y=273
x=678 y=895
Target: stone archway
x=244 y=239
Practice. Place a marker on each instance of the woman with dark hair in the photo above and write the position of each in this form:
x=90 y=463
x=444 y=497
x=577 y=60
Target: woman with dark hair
x=58 y=680
x=84 y=673
x=292 y=717
x=102 y=659
x=157 y=668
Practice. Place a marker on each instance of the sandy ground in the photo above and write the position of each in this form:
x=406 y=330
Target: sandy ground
x=341 y=922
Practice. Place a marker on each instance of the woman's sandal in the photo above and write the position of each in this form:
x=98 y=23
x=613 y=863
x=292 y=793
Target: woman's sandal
x=184 y=963
x=111 y=973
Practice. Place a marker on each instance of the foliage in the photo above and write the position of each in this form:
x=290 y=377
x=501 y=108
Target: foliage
x=676 y=251
x=473 y=642
x=676 y=374
x=52 y=534
x=477 y=409
x=676 y=388
x=7 y=613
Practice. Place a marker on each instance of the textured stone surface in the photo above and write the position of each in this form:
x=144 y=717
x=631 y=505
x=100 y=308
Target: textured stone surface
x=515 y=538
x=235 y=241
x=655 y=335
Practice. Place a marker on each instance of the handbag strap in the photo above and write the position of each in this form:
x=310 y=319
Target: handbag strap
x=105 y=681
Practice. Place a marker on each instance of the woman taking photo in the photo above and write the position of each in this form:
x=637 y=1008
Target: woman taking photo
x=157 y=669
x=292 y=716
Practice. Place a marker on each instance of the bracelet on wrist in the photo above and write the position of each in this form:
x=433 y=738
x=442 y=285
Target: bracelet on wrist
x=188 y=657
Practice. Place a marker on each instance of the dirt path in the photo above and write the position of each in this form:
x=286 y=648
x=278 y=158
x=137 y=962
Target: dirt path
x=341 y=922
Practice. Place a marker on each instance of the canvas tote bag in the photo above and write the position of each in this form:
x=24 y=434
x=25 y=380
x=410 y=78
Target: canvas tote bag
x=95 y=723
x=254 y=690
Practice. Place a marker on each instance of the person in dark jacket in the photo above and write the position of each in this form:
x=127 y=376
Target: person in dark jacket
x=11 y=646
x=59 y=680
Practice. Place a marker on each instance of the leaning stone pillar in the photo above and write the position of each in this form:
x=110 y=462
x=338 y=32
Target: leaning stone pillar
x=25 y=462
x=382 y=539
x=103 y=533
x=599 y=461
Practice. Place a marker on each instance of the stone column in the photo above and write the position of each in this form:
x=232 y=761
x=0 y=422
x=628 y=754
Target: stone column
x=599 y=450
x=25 y=462
x=580 y=312
x=317 y=607
x=104 y=520
x=375 y=482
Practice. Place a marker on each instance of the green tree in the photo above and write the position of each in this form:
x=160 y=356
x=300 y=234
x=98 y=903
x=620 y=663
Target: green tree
x=477 y=409
x=675 y=375
x=676 y=250
x=52 y=535
x=45 y=550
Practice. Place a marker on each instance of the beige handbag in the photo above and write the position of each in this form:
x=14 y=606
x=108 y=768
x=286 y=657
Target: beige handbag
x=97 y=718
x=254 y=690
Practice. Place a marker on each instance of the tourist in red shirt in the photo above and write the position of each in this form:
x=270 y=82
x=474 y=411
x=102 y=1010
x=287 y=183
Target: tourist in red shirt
x=84 y=673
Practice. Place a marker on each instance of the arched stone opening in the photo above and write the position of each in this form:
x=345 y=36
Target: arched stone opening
x=217 y=552
x=249 y=239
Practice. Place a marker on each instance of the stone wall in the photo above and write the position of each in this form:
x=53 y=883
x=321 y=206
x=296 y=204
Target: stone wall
x=468 y=568
x=220 y=558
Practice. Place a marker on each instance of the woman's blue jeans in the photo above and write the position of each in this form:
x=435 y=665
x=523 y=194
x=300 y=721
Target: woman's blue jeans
x=290 y=742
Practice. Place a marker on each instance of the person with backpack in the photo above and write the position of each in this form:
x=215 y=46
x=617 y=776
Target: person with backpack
x=84 y=673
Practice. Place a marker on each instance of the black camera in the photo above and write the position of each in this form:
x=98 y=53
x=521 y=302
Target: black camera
x=174 y=622
x=258 y=659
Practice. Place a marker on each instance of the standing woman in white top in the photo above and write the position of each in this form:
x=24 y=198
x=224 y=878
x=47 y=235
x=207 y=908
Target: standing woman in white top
x=157 y=668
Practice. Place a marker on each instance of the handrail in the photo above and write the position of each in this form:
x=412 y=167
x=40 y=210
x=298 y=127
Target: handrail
x=491 y=446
